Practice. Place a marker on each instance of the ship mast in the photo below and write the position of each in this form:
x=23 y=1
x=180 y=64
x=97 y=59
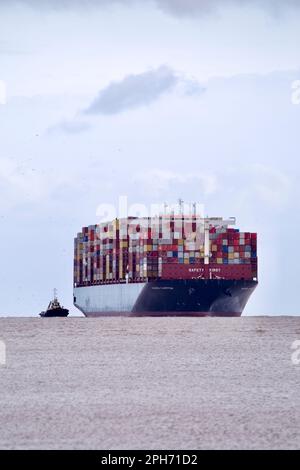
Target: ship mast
x=194 y=205
x=166 y=208
x=180 y=203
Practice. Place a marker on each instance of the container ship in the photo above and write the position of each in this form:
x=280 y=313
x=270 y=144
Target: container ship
x=167 y=265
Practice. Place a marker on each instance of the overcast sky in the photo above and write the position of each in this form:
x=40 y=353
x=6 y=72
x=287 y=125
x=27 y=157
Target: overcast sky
x=154 y=100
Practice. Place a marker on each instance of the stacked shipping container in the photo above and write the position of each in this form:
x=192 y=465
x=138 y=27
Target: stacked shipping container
x=136 y=250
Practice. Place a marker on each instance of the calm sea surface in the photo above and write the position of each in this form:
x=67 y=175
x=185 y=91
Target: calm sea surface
x=138 y=383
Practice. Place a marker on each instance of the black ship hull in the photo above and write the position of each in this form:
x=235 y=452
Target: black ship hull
x=194 y=297
x=57 y=312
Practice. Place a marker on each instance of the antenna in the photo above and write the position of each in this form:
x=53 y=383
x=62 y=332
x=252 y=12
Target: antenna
x=180 y=202
x=194 y=209
x=165 y=208
x=55 y=293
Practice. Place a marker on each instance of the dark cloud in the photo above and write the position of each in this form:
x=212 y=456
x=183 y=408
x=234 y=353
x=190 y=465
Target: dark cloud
x=192 y=87
x=134 y=91
x=194 y=7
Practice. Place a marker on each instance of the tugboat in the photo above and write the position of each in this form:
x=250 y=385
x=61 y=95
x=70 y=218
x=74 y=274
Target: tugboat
x=54 y=308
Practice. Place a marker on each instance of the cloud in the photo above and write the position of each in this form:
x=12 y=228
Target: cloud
x=190 y=87
x=133 y=91
x=70 y=127
x=19 y=182
x=66 y=4
x=5 y=48
x=161 y=182
x=259 y=187
x=175 y=7
x=250 y=186
x=271 y=185
x=139 y=90
x=200 y=7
